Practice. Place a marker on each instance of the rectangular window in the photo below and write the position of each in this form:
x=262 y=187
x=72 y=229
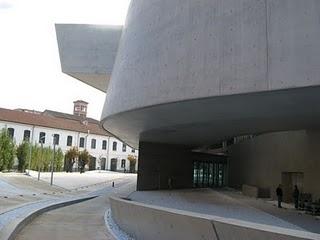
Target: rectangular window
x=133 y=150
x=56 y=139
x=42 y=137
x=104 y=145
x=93 y=143
x=81 y=144
x=26 y=135
x=69 y=141
x=11 y=132
x=124 y=147
x=114 y=146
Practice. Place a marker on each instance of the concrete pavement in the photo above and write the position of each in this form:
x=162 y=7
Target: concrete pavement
x=80 y=221
x=229 y=204
x=23 y=197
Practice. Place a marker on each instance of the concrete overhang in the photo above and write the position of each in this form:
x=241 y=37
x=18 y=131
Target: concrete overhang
x=209 y=120
x=88 y=52
x=204 y=71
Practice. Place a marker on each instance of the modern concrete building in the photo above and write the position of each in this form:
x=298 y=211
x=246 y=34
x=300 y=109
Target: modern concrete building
x=70 y=130
x=238 y=78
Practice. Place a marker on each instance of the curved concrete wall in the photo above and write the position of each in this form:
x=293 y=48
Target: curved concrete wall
x=144 y=221
x=190 y=56
x=262 y=160
x=173 y=50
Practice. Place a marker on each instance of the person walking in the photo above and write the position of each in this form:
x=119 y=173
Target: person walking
x=170 y=183
x=295 y=195
x=279 y=195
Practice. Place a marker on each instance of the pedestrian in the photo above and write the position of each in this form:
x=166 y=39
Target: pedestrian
x=295 y=195
x=279 y=195
x=170 y=183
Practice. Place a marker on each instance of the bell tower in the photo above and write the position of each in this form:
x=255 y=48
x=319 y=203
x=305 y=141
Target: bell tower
x=80 y=108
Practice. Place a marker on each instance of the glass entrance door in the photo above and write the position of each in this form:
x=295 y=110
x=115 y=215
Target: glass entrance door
x=208 y=174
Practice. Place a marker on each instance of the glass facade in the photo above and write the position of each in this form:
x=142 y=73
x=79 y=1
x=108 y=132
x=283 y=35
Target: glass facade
x=209 y=173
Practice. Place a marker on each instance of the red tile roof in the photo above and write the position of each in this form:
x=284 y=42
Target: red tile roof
x=51 y=122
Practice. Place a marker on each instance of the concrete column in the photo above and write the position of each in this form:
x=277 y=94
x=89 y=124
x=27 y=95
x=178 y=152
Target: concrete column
x=159 y=162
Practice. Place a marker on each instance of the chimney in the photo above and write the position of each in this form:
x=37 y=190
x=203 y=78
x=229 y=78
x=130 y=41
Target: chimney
x=80 y=108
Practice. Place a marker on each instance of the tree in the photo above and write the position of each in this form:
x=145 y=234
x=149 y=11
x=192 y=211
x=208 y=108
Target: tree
x=133 y=160
x=47 y=155
x=58 y=163
x=71 y=156
x=7 y=151
x=84 y=158
x=36 y=158
x=23 y=155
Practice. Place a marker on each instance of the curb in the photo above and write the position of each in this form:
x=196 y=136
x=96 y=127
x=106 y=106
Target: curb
x=11 y=231
x=108 y=212
x=113 y=228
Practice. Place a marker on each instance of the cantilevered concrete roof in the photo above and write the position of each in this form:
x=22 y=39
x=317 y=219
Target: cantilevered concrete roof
x=87 y=52
x=203 y=71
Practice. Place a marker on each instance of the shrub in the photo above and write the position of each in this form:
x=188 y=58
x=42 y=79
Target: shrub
x=58 y=162
x=71 y=155
x=84 y=158
x=7 y=151
x=133 y=160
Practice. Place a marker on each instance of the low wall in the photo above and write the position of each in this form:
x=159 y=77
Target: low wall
x=250 y=191
x=261 y=161
x=143 y=221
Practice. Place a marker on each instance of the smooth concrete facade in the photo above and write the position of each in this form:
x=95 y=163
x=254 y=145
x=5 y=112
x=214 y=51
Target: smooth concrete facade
x=87 y=52
x=261 y=161
x=164 y=223
x=172 y=51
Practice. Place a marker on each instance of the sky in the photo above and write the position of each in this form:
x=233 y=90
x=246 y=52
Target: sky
x=30 y=70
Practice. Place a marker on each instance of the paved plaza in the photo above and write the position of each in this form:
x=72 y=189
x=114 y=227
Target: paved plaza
x=80 y=221
x=76 y=180
x=22 y=195
x=18 y=189
x=230 y=204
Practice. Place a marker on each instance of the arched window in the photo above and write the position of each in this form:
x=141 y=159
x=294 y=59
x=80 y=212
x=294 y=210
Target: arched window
x=114 y=146
x=93 y=143
x=69 y=141
x=56 y=138
x=104 y=145
x=11 y=132
x=81 y=144
x=123 y=163
x=42 y=137
x=124 y=147
x=26 y=135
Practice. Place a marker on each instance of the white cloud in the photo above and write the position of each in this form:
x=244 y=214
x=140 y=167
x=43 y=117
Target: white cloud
x=5 y=5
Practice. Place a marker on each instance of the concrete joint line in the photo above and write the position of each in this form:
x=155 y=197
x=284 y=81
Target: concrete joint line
x=267 y=43
x=215 y=230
